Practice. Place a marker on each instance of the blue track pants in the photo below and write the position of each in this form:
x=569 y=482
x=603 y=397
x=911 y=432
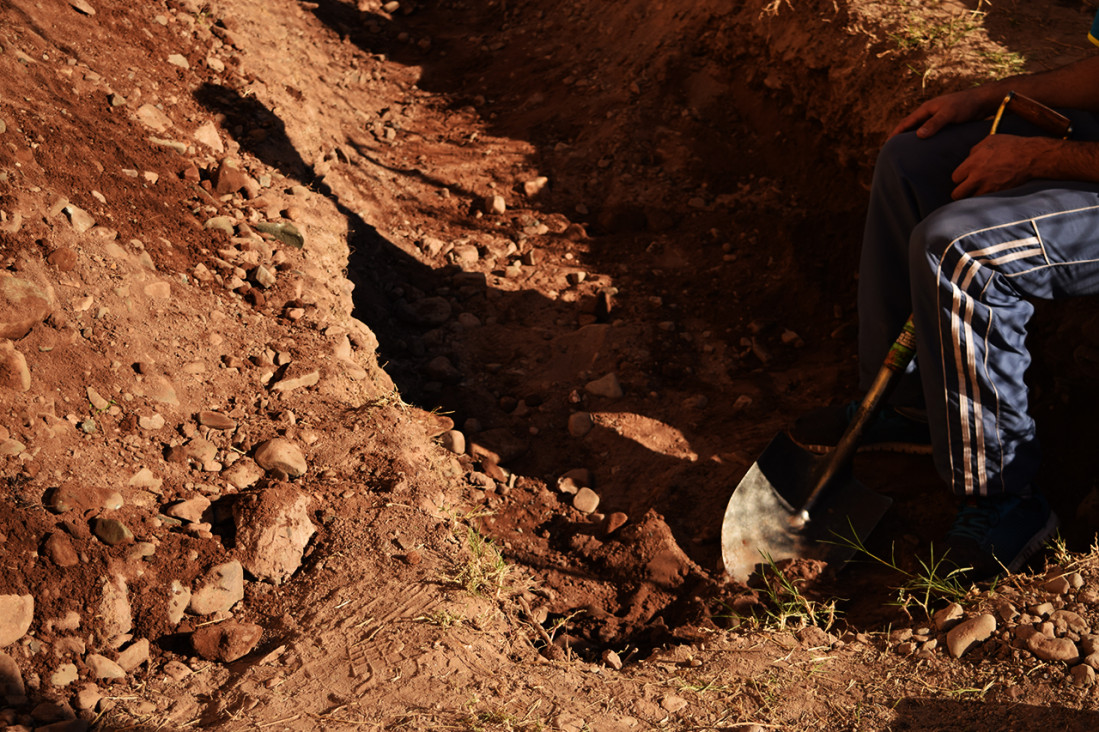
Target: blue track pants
x=967 y=271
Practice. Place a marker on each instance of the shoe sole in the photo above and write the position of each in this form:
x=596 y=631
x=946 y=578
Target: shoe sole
x=1037 y=542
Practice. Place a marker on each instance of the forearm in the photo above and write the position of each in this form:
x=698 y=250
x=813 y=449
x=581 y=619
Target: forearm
x=1064 y=160
x=1074 y=86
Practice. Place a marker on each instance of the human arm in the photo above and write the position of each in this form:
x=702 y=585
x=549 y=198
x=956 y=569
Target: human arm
x=1075 y=85
x=1000 y=162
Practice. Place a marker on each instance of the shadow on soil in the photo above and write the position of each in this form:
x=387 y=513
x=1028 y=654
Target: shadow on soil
x=938 y=714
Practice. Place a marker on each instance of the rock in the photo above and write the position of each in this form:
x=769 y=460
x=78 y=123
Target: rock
x=264 y=277
x=495 y=204
x=1042 y=610
x=970 y=632
x=11 y=680
x=190 y=510
x=431 y=311
x=606 y=386
x=226 y=641
x=580 y=424
x=134 y=655
x=615 y=521
x=586 y=500
x=612 y=660
x=534 y=186
x=673 y=703
x=66 y=674
x=1082 y=675
x=207 y=134
x=16 y=614
x=281 y=454
x=22 y=305
x=102 y=667
x=179 y=597
x=80 y=219
x=273 y=529
x=14 y=373
x=112 y=532
x=114 y=611
x=228 y=178
x=244 y=473
x=1057 y=585
x=290 y=383
x=153 y=118
x=812 y=636
x=60 y=550
x=948 y=617
x=63 y=258
x=144 y=479
x=1053 y=649
x=1066 y=620
x=220 y=589
x=176 y=59
x=82 y=6
x=285 y=232
x=151 y=423
x=454 y=441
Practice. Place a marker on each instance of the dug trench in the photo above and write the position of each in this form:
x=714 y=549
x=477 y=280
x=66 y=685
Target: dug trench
x=602 y=255
x=695 y=294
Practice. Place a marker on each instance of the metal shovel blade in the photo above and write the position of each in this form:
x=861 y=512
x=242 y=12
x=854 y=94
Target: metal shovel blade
x=757 y=527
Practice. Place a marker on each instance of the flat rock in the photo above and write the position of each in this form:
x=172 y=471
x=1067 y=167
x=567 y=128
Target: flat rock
x=1053 y=649
x=112 y=532
x=219 y=589
x=65 y=674
x=970 y=632
x=948 y=617
x=190 y=510
x=102 y=667
x=244 y=473
x=281 y=454
x=273 y=529
x=22 y=305
x=226 y=641
x=290 y=383
x=16 y=614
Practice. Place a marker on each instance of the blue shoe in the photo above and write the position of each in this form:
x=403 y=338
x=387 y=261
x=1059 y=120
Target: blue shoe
x=890 y=430
x=992 y=534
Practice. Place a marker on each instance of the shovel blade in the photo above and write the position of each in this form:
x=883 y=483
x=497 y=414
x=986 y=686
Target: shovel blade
x=756 y=527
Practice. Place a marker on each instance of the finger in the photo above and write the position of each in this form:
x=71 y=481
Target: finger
x=912 y=120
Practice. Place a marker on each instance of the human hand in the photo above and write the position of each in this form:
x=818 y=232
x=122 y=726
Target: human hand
x=1000 y=162
x=934 y=114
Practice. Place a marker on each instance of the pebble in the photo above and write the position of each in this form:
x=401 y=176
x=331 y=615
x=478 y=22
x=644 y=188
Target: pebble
x=1042 y=610
x=179 y=60
x=208 y=135
x=134 y=655
x=607 y=386
x=190 y=510
x=220 y=589
x=65 y=674
x=968 y=633
x=22 y=305
x=226 y=641
x=534 y=186
x=615 y=521
x=281 y=454
x=612 y=660
x=242 y=474
x=216 y=420
x=454 y=441
x=151 y=423
x=580 y=424
x=1057 y=585
x=63 y=258
x=586 y=500
x=80 y=219
x=1082 y=675
x=102 y=667
x=16 y=614
x=177 y=670
x=60 y=550
x=495 y=204
x=1066 y=620
x=948 y=617
x=179 y=598
x=82 y=6
x=14 y=372
x=673 y=703
x=1052 y=649
x=310 y=378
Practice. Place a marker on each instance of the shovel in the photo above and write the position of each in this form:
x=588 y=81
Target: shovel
x=793 y=504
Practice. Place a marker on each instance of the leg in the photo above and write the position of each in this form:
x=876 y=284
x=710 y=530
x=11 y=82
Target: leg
x=973 y=263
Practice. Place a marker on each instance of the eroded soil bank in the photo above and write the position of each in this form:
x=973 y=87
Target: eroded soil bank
x=390 y=367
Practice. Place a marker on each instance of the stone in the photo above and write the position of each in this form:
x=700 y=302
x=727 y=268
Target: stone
x=612 y=660
x=151 y=423
x=281 y=454
x=134 y=655
x=82 y=6
x=11 y=680
x=586 y=500
x=1057 y=585
x=14 y=372
x=153 y=118
x=114 y=610
x=1053 y=649
x=22 y=305
x=607 y=386
x=534 y=186
x=454 y=441
x=63 y=258
x=176 y=59
x=969 y=633
x=219 y=589
x=144 y=479
x=80 y=219
x=1066 y=620
x=60 y=550
x=615 y=521
x=580 y=424
x=272 y=530
x=65 y=674
x=102 y=667
x=179 y=598
x=227 y=178
x=112 y=532
x=673 y=703
x=190 y=510
x=948 y=617
x=290 y=383
x=207 y=134
x=227 y=641
x=1082 y=675
x=242 y=474
x=16 y=615
x=495 y=204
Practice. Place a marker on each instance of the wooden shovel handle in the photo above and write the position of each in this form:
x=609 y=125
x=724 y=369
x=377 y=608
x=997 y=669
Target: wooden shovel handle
x=896 y=361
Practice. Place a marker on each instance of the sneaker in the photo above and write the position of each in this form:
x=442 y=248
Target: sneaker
x=992 y=534
x=890 y=430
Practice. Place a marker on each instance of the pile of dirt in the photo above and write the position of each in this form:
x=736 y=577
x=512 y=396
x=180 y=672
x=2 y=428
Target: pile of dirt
x=386 y=365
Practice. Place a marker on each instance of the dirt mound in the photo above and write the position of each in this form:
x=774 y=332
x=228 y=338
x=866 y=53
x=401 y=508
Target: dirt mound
x=390 y=365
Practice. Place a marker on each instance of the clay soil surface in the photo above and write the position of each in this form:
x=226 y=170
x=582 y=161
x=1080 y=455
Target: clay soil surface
x=389 y=366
